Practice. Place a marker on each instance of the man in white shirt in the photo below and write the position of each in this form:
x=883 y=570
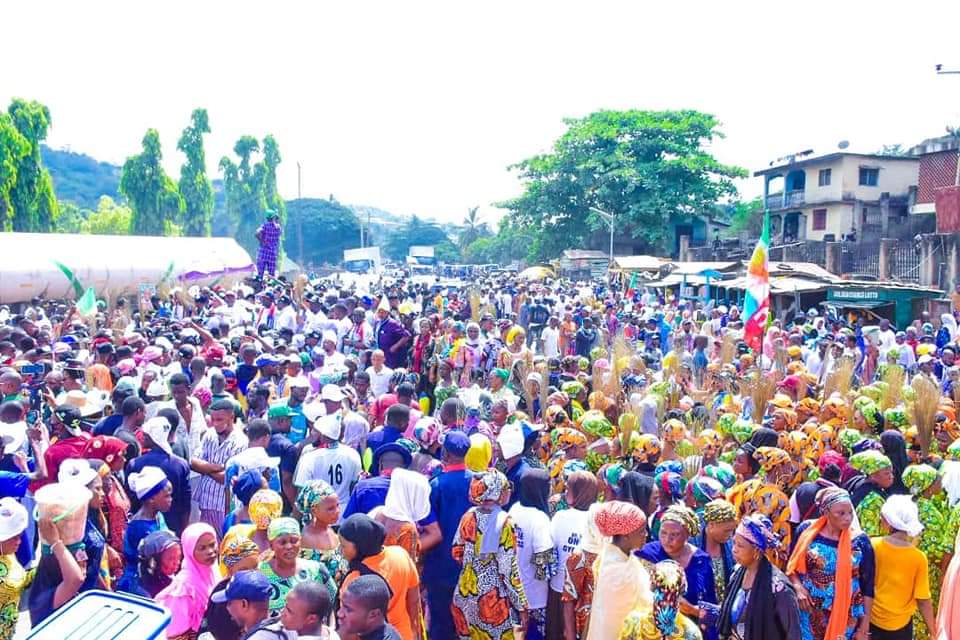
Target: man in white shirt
x=551 y=338
x=336 y=463
x=379 y=373
x=332 y=359
x=286 y=315
x=887 y=337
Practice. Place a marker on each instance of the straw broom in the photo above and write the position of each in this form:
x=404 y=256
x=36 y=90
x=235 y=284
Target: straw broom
x=761 y=389
x=475 y=305
x=894 y=377
x=728 y=349
x=925 y=410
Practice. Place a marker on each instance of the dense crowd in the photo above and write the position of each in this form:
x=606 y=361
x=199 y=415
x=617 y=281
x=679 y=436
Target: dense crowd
x=510 y=460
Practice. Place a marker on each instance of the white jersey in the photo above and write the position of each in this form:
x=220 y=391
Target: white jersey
x=567 y=530
x=339 y=466
x=532 y=530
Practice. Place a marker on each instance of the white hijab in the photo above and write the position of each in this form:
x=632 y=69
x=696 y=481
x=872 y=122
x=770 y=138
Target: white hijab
x=408 y=498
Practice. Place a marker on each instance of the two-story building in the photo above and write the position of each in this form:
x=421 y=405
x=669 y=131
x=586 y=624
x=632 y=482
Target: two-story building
x=829 y=197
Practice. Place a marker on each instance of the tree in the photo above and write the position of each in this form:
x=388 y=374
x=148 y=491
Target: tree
x=72 y=218
x=893 y=150
x=153 y=196
x=472 y=228
x=328 y=228
x=746 y=216
x=648 y=168
x=414 y=232
x=31 y=197
x=13 y=148
x=110 y=219
x=251 y=188
x=195 y=188
x=511 y=243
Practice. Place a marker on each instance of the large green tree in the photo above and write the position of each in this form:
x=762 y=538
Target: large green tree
x=13 y=148
x=195 y=188
x=251 y=187
x=31 y=197
x=328 y=228
x=511 y=243
x=152 y=195
x=648 y=168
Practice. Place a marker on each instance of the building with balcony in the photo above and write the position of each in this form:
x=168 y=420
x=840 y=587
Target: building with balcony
x=829 y=197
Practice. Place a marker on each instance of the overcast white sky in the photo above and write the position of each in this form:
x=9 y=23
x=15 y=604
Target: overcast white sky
x=418 y=107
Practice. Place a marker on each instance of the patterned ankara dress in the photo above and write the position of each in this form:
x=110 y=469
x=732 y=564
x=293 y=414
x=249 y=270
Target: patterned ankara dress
x=489 y=595
x=819 y=583
x=940 y=524
x=578 y=588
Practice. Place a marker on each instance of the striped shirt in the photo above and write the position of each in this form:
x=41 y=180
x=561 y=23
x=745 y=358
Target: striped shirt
x=209 y=493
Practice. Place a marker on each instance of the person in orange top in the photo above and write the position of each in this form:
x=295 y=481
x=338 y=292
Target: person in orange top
x=902 y=584
x=362 y=540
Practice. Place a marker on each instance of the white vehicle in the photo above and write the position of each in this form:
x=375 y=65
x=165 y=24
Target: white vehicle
x=422 y=265
x=365 y=260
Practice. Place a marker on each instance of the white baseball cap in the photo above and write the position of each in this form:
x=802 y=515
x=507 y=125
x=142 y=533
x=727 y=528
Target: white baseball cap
x=328 y=426
x=332 y=393
x=298 y=382
x=76 y=471
x=13 y=518
x=510 y=440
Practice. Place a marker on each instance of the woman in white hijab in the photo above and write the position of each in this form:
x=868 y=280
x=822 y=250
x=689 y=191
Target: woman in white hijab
x=407 y=503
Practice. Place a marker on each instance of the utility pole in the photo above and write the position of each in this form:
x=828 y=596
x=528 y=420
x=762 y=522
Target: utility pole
x=609 y=217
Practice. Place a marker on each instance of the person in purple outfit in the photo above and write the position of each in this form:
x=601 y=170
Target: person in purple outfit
x=390 y=336
x=268 y=235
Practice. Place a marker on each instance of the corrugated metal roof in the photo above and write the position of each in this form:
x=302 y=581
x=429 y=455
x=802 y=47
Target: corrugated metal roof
x=584 y=254
x=786 y=284
x=698 y=267
x=639 y=263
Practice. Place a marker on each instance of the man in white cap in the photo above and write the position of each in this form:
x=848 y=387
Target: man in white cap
x=332 y=359
x=337 y=464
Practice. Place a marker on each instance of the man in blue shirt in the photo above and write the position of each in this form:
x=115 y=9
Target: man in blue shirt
x=372 y=492
x=449 y=500
x=299 y=386
x=397 y=419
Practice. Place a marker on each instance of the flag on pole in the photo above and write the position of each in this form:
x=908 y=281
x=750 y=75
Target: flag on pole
x=87 y=304
x=632 y=287
x=757 y=301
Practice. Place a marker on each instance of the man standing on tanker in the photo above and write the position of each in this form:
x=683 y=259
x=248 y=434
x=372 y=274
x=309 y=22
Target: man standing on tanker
x=268 y=235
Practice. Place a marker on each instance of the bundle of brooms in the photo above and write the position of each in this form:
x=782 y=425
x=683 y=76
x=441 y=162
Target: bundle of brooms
x=761 y=389
x=894 y=378
x=728 y=348
x=840 y=379
x=925 y=410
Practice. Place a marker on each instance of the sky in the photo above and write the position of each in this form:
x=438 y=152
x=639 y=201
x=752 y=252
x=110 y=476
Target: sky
x=420 y=107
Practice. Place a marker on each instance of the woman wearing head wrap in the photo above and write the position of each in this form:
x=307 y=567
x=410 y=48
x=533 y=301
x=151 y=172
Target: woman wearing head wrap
x=939 y=521
x=671 y=487
x=640 y=490
x=187 y=595
x=285 y=569
x=674 y=433
x=485 y=546
x=645 y=450
x=621 y=583
x=265 y=506
x=868 y=491
x=116 y=504
x=319 y=510
x=700 y=490
x=155 y=494
x=406 y=504
x=663 y=621
x=678 y=525
x=832 y=571
x=239 y=554
x=718 y=520
x=766 y=496
x=895 y=448
x=160 y=558
x=760 y=603
x=362 y=538
x=567 y=528
x=537 y=555
x=895 y=601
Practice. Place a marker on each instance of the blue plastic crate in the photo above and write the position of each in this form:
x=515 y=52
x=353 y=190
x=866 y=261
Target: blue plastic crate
x=102 y=615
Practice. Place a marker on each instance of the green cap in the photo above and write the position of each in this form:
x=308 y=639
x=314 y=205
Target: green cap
x=279 y=411
x=270 y=213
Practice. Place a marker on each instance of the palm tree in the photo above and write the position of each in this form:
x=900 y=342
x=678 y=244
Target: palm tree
x=472 y=227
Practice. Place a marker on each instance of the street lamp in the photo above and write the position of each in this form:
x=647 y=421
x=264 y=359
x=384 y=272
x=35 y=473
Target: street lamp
x=609 y=217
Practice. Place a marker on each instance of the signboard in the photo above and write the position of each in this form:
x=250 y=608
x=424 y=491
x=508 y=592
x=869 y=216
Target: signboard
x=854 y=294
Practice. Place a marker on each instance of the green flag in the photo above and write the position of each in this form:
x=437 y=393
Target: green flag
x=87 y=304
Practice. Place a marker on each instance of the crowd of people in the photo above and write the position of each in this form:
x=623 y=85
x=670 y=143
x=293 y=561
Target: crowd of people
x=516 y=460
